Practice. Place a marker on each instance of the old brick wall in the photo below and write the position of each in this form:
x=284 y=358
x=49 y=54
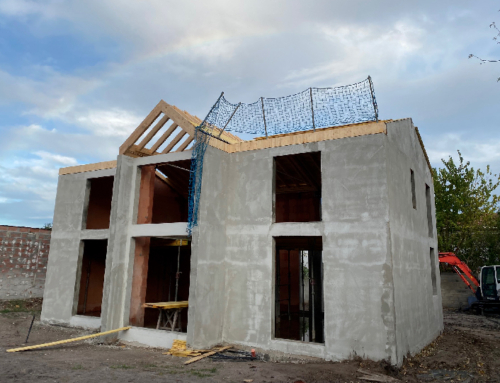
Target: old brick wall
x=23 y=261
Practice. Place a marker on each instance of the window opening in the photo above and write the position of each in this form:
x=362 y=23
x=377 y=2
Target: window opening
x=297 y=188
x=488 y=283
x=164 y=190
x=433 y=271
x=429 y=209
x=93 y=266
x=413 y=195
x=99 y=204
x=161 y=278
x=299 y=313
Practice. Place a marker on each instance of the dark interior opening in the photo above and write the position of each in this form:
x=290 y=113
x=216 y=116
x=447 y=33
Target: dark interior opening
x=99 y=208
x=162 y=275
x=164 y=192
x=299 y=311
x=92 y=277
x=297 y=187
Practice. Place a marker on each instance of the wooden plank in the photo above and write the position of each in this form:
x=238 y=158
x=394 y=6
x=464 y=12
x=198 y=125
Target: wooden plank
x=185 y=144
x=164 y=137
x=207 y=355
x=177 y=116
x=87 y=168
x=167 y=305
x=174 y=142
x=68 y=340
x=153 y=131
x=143 y=126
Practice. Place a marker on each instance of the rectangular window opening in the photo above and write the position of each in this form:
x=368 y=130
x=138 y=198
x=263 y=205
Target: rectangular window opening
x=297 y=188
x=429 y=209
x=92 y=277
x=413 y=195
x=99 y=203
x=164 y=192
x=433 y=271
x=299 y=307
x=161 y=275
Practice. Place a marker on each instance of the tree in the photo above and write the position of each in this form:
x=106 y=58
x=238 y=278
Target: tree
x=495 y=38
x=47 y=226
x=467 y=218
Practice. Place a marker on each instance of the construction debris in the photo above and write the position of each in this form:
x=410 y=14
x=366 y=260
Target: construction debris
x=376 y=377
x=179 y=349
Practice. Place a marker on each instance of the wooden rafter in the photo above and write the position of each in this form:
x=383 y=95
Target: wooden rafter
x=151 y=134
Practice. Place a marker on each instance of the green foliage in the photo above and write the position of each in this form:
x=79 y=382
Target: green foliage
x=47 y=226
x=467 y=217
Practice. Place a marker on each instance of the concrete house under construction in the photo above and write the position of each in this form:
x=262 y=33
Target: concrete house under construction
x=319 y=242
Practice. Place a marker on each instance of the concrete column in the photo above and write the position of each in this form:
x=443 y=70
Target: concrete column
x=116 y=294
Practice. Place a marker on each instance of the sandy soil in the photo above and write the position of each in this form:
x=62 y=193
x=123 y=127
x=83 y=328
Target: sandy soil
x=468 y=350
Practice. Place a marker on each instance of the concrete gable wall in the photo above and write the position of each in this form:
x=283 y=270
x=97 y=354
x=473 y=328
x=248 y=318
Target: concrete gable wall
x=418 y=312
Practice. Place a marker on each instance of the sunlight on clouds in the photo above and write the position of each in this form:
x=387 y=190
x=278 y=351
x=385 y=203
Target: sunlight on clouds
x=111 y=123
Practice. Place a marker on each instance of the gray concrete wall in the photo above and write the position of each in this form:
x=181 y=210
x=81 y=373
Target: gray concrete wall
x=63 y=269
x=418 y=312
x=358 y=299
x=207 y=292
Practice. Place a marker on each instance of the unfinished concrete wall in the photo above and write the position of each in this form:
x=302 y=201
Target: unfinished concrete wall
x=357 y=279
x=66 y=247
x=418 y=309
x=208 y=286
x=23 y=261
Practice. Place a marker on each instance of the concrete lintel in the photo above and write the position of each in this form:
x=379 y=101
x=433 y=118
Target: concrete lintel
x=94 y=234
x=161 y=158
x=176 y=229
x=85 y=321
x=302 y=229
x=150 y=337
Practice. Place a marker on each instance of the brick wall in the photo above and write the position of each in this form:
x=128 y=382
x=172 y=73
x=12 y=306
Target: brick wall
x=23 y=261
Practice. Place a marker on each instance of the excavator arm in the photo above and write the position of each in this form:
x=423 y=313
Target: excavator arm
x=460 y=268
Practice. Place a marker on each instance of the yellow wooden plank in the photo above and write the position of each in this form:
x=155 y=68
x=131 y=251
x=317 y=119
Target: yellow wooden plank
x=174 y=141
x=207 y=354
x=87 y=168
x=68 y=340
x=166 y=305
x=164 y=137
x=143 y=126
x=153 y=131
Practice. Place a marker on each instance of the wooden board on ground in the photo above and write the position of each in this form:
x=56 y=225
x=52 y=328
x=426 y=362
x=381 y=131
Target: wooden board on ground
x=68 y=340
x=208 y=354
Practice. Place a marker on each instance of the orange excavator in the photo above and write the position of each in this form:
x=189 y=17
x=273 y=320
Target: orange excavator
x=487 y=289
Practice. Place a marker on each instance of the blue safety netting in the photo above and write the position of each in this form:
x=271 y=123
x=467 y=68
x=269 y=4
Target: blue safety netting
x=314 y=108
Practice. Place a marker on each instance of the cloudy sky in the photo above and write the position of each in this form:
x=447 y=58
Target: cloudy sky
x=76 y=77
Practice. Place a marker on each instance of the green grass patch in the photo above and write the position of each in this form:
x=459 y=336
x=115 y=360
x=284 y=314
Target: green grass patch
x=77 y=367
x=122 y=366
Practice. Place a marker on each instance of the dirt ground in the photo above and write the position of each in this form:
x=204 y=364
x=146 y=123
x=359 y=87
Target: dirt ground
x=467 y=351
